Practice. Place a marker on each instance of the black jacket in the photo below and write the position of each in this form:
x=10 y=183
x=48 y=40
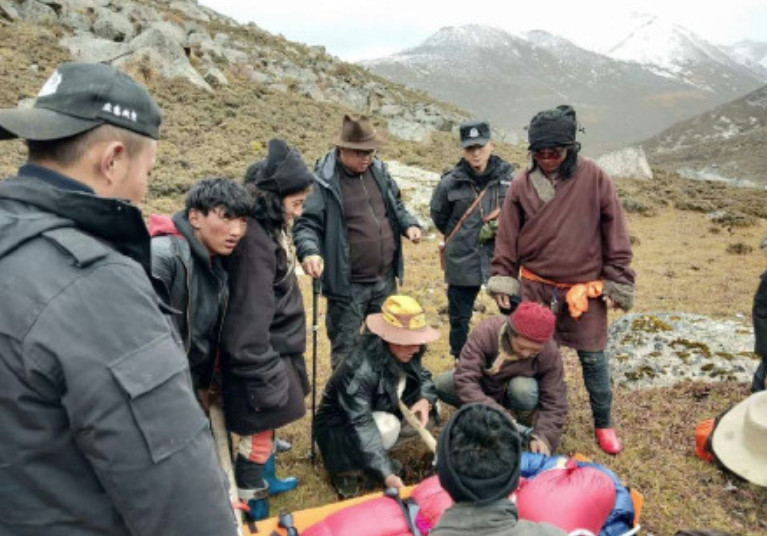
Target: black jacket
x=263 y=338
x=467 y=261
x=99 y=426
x=192 y=282
x=321 y=229
x=365 y=382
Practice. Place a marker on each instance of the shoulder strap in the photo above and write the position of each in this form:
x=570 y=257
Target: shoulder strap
x=466 y=215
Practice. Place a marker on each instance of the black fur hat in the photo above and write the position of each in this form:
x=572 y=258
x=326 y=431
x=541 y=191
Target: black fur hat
x=282 y=172
x=552 y=128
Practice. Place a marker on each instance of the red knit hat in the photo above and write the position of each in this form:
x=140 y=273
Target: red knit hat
x=533 y=321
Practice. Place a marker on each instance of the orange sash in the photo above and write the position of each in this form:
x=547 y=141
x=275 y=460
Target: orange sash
x=578 y=294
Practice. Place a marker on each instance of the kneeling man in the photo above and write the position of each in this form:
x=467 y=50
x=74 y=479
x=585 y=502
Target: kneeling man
x=513 y=362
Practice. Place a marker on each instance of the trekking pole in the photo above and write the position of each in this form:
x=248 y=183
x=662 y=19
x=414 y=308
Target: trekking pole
x=316 y=288
x=224 y=453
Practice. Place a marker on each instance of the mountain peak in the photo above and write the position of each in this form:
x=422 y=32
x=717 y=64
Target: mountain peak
x=472 y=35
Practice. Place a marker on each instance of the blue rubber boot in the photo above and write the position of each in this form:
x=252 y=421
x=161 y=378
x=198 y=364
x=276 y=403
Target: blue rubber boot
x=277 y=485
x=258 y=509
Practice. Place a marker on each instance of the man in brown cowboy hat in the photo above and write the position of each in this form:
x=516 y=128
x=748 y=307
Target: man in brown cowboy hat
x=359 y=417
x=350 y=232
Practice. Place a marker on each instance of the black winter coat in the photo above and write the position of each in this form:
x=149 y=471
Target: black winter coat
x=263 y=338
x=321 y=229
x=195 y=284
x=100 y=432
x=365 y=382
x=467 y=261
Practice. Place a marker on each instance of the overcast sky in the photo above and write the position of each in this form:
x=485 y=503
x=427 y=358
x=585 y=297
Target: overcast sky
x=360 y=29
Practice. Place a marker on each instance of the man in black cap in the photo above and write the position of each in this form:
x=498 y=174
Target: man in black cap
x=478 y=461
x=465 y=207
x=563 y=241
x=100 y=430
x=350 y=233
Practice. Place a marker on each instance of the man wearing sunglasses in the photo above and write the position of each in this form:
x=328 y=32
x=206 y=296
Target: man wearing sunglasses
x=465 y=207
x=563 y=241
x=350 y=232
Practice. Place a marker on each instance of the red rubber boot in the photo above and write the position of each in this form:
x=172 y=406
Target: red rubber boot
x=608 y=440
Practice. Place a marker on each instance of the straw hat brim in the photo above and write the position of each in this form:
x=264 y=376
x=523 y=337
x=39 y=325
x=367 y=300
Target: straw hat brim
x=747 y=459
x=403 y=336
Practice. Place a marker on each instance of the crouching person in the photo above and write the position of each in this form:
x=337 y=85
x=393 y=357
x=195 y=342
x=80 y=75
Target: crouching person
x=359 y=418
x=478 y=461
x=264 y=334
x=512 y=362
x=187 y=270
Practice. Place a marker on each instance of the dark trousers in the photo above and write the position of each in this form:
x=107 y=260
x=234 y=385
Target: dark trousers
x=345 y=317
x=596 y=377
x=460 y=306
x=759 y=315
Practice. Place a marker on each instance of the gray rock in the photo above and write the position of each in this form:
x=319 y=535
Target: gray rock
x=215 y=77
x=37 y=13
x=629 y=162
x=312 y=91
x=191 y=10
x=164 y=51
x=661 y=349
x=85 y=47
x=8 y=11
x=408 y=129
x=281 y=88
x=232 y=55
x=113 y=26
x=391 y=110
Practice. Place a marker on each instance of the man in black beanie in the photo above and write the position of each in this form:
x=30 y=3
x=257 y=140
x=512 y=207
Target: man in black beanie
x=478 y=461
x=563 y=241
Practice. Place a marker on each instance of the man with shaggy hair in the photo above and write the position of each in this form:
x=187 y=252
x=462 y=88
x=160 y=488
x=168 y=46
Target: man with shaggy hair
x=563 y=241
x=478 y=462
x=187 y=269
x=100 y=432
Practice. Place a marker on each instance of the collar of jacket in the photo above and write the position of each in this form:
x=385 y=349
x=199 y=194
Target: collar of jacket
x=327 y=173
x=114 y=221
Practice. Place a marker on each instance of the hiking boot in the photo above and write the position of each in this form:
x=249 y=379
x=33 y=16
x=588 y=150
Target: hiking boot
x=277 y=485
x=252 y=488
x=346 y=484
x=608 y=440
x=280 y=445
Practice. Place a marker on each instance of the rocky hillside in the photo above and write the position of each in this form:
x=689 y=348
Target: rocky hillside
x=620 y=100
x=225 y=89
x=180 y=38
x=726 y=143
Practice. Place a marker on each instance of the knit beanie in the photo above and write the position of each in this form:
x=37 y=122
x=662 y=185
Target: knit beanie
x=533 y=321
x=552 y=128
x=482 y=433
x=282 y=172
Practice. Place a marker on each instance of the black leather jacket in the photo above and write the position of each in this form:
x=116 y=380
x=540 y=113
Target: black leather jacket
x=365 y=382
x=193 y=283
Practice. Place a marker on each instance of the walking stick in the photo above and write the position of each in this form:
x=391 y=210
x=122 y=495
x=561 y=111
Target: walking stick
x=224 y=452
x=316 y=288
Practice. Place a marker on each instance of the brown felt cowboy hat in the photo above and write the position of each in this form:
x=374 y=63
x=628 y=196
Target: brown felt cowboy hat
x=401 y=321
x=740 y=439
x=357 y=132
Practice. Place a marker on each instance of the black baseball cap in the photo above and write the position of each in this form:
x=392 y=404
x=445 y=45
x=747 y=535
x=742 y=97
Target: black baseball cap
x=80 y=96
x=474 y=133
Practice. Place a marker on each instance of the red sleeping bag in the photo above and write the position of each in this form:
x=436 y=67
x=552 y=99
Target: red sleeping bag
x=570 y=498
x=381 y=516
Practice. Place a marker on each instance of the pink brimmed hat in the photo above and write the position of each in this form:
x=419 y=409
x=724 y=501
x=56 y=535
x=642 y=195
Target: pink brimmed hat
x=401 y=321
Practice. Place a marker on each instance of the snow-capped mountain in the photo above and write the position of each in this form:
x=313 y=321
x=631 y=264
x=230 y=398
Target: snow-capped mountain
x=507 y=78
x=752 y=54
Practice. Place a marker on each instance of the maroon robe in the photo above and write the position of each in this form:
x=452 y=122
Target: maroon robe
x=580 y=235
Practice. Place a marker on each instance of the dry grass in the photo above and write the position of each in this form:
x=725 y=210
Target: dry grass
x=681 y=266
x=680 y=256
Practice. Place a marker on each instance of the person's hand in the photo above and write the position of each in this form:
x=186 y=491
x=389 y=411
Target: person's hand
x=313 y=265
x=421 y=410
x=611 y=303
x=539 y=447
x=413 y=234
x=393 y=481
x=503 y=300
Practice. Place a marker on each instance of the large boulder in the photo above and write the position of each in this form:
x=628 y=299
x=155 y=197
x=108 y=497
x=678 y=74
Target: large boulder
x=112 y=25
x=629 y=162
x=661 y=349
